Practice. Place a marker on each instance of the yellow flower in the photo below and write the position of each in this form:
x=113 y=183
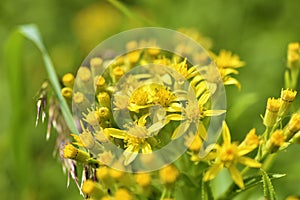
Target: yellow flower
x=227 y=64
x=272 y=109
x=276 y=140
x=194 y=143
x=74 y=153
x=168 y=174
x=116 y=174
x=183 y=70
x=287 y=97
x=67 y=92
x=228 y=155
x=192 y=115
x=92 y=189
x=122 y=194
x=142 y=179
x=150 y=95
x=293 y=55
x=293 y=126
x=68 y=80
x=135 y=138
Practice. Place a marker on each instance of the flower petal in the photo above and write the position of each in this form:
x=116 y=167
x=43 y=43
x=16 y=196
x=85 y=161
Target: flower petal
x=130 y=154
x=146 y=148
x=236 y=176
x=210 y=113
x=204 y=98
x=213 y=171
x=116 y=133
x=174 y=107
x=180 y=130
x=249 y=162
x=155 y=127
x=226 y=134
x=201 y=131
x=200 y=88
x=232 y=81
x=175 y=117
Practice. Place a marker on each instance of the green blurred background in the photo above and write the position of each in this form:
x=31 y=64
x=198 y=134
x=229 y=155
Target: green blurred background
x=257 y=30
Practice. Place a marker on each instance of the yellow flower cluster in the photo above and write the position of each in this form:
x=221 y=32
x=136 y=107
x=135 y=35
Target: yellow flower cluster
x=162 y=110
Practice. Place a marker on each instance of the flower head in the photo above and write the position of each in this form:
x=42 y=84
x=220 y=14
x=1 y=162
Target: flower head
x=228 y=155
x=227 y=64
x=168 y=174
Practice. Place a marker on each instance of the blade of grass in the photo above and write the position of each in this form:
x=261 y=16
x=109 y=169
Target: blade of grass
x=123 y=9
x=32 y=33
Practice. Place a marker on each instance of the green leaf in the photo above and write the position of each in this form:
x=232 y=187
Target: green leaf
x=249 y=182
x=31 y=33
x=206 y=192
x=269 y=192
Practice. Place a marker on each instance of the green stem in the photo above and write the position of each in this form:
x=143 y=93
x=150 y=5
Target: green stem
x=164 y=193
x=294 y=77
x=269 y=161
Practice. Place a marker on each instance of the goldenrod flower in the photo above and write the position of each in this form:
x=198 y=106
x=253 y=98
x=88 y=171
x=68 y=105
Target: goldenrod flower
x=116 y=174
x=287 y=97
x=92 y=189
x=99 y=83
x=117 y=73
x=84 y=74
x=227 y=64
x=183 y=70
x=68 y=80
x=106 y=198
x=67 y=92
x=194 y=143
x=293 y=126
x=168 y=174
x=123 y=194
x=276 y=140
x=96 y=63
x=143 y=179
x=228 y=155
x=103 y=99
x=74 y=153
x=293 y=55
x=272 y=109
x=192 y=115
x=135 y=138
x=150 y=95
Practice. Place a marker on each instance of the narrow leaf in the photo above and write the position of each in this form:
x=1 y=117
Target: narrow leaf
x=269 y=192
x=32 y=33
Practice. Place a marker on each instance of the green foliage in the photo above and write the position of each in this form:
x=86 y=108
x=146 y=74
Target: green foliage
x=257 y=30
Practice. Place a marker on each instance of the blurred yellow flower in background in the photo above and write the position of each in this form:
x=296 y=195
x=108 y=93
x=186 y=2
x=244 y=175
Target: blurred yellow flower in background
x=95 y=22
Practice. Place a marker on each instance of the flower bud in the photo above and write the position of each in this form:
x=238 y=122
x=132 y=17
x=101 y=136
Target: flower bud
x=67 y=92
x=276 y=140
x=287 y=97
x=92 y=189
x=271 y=113
x=74 y=153
x=168 y=174
x=104 y=99
x=293 y=126
x=68 y=80
x=293 y=55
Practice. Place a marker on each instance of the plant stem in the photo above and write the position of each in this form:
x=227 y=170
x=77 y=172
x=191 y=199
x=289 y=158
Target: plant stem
x=163 y=193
